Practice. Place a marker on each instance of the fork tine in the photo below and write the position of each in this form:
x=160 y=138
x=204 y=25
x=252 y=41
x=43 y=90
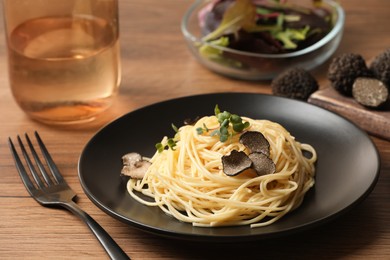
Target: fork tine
x=51 y=164
x=21 y=170
x=38 y=162
x=30 y=165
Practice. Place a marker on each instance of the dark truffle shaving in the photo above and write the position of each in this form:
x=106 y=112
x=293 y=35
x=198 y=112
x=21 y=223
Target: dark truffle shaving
x=134 y=165
x=262 y=164
x=235 y=163
x=258 y=159
x=255 y=142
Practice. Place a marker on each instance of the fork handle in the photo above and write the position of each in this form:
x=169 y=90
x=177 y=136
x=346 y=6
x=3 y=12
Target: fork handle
x=111 y=247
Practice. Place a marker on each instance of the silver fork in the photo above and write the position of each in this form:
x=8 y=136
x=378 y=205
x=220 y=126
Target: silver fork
x=50 y=189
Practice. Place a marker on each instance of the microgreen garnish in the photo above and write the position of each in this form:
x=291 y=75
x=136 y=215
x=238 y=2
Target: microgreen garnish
x=159 y=147
x=226 y=121
x=170 y=143
x=175 y=128
x=201 y=130
x=229 y=124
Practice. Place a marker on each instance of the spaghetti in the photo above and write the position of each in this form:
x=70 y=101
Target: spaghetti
x=189 y=184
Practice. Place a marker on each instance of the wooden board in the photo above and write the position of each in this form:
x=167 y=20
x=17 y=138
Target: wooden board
x=375 y=122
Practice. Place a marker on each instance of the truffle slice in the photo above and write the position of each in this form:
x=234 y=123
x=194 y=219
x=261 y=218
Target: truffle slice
x=262 y=164
x=235 y=163
x=134 y=165
x=370 y=92
x=255 y=142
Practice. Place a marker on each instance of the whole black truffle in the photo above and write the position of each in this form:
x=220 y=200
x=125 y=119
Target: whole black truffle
x=294 y=83
x=344 y=69
x=380 y=67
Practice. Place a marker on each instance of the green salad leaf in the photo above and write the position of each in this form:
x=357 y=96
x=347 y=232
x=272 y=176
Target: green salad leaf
x=211 y=52
x=241 y=14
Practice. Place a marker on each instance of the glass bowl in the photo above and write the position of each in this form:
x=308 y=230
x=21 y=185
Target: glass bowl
x=254 y=66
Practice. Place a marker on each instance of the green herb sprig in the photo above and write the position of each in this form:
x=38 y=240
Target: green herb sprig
x=171 y=142
x=226 y=120
x=229 y=124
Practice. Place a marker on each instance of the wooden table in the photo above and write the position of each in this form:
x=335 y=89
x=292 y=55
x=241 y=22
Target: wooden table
x=158 y=66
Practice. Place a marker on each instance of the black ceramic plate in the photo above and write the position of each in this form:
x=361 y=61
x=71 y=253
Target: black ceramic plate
x=347 y=168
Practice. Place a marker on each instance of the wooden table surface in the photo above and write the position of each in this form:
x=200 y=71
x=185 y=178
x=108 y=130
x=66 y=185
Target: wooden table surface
x=157 y=66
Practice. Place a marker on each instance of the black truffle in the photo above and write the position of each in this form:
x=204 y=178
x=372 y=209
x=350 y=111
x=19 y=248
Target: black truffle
x=344 y=69
x=294 y=83
x=380 y=67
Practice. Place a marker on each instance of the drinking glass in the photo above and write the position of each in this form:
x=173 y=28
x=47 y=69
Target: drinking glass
x=63 y=57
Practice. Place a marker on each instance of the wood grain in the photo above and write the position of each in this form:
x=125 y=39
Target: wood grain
x=157 y=66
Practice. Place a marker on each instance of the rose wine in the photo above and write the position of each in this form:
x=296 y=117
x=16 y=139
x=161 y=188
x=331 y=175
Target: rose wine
x=64 y=69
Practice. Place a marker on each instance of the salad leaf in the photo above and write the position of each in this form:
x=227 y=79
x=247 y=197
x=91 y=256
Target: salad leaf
x=212 y=53
x=241 y=14
x=209 y=51
x=288 y=36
